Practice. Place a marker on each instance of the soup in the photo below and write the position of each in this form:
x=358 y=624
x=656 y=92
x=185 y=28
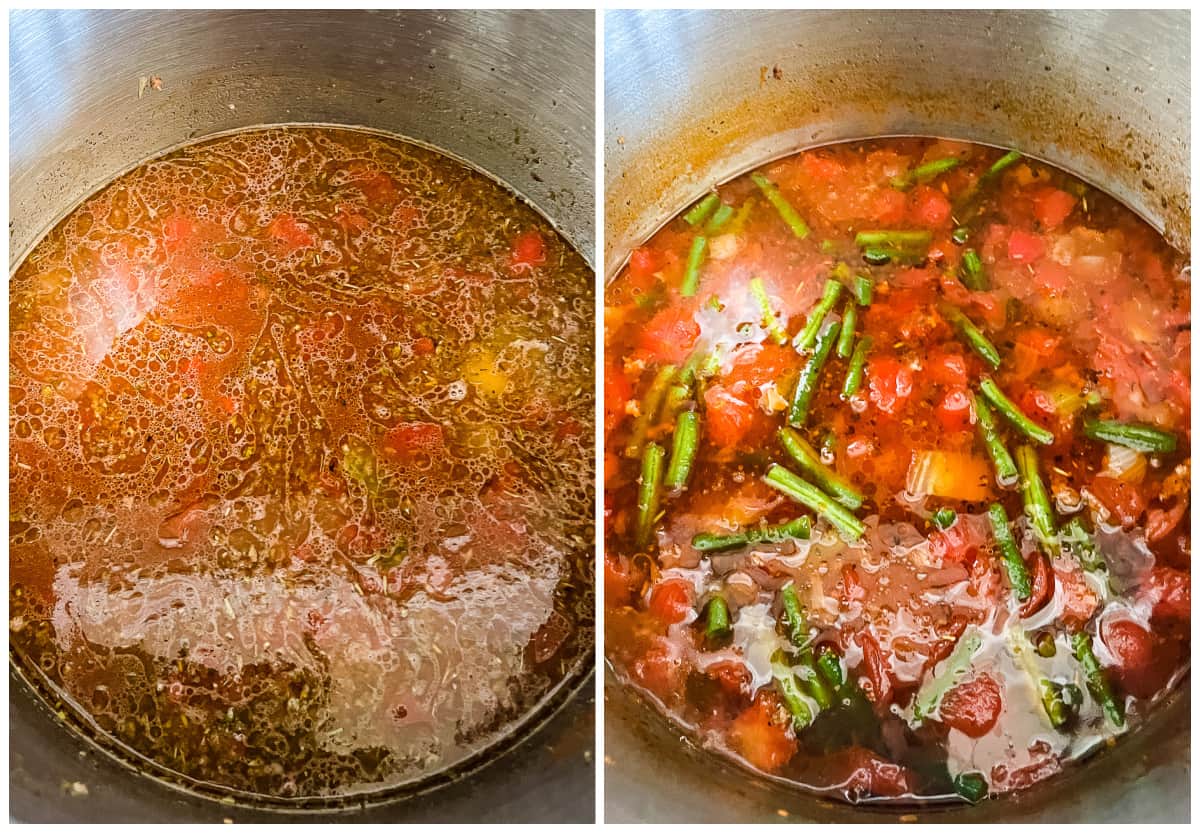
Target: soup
x=301 y=496
x=897 y=470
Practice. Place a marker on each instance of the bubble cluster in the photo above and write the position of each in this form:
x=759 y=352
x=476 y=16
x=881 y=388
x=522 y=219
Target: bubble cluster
x=301 y=462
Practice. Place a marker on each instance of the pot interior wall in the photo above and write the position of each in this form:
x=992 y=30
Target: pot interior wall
x=695 y=98
x=510 y=92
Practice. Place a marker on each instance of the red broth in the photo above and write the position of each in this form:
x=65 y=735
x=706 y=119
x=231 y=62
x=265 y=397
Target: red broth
x=903 y=653
x=301 y=462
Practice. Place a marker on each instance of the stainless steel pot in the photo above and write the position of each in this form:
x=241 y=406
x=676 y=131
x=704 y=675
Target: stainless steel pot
x=694 y=98
x=510 y=92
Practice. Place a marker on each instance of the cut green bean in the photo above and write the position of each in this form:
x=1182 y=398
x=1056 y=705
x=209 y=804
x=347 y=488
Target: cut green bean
x=807 y=337
x=961 y=235
x=1138 y=436
x=932 y=690
x=789 y=691
x=971 y=786
x=718 y=220
x=893 y=239
x=809 y=495
x=716 y=619
x=809 y=461
x=793 y=617
x=713 y=542
x=649 y=493
x=789 y=215
x=695 y=260
x=845 y=344
x=877 y=257
x=1097 y=680
x=1061 y=702
x=1000 y=164
x=678 y=395
x=1006 y=469
x=973 y=276
x=806 y=385
x=974 y=337
x=1037 y=502
x=649 y=408
x=863 y=289
x=699 y=212
x=925 y=172
x=854 y=373
x=1013 y=414
x=775 y=330
x=683 y=450
x=944 y=518
x=1076 y=540
x=829 y=664
x=1014 y=565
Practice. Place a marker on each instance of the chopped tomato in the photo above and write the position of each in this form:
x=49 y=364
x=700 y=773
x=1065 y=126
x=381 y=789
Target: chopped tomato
x=617 y=393
x=852 y=589
x=410 y=438
x=528 y=251
x=733 y=677
x=1132 y=649
x=889 y=384
x=423 y=346
x=670 y=335
x=948 y=369
x=928 y=207
x=821 y=166
x=956 y=545
x=763 y=735
x=1024 y=247
x=1052 y=206
x=1123 y=501
x=861 y=772
x=972 y=707
x=1041 y=577
x=728 y=418
x=1169 y=591
x=660 y=669
x=643 y=263
x=1052 y=279
x=954 y=410
x=671 y=601
x=1079 y=602
x=618 y=579
x=888 y=207
x=289 y=233
x=758 y=364
x=379 y=189
x=876 y=678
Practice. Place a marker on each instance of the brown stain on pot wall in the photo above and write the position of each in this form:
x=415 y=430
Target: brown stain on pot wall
x=694 y=107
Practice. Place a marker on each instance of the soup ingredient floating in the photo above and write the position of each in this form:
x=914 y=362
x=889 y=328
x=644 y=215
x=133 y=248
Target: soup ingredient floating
x=301 y=462
x=928 y=405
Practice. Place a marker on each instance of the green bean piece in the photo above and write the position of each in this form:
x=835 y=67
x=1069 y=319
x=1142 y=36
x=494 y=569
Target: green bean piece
x=1006 y=469
x=944 y=518
x=713 y=542
x=683 y=450
x=1045 y=646
x=845 y=344
x=1138 y=436
x=649 y=493
x=775 y=330
x=974 y=337
x=789 y=690
x=858 y=362
x=1037 y=502
x=807 y=337
x=809 y=461
x=892 y=239
x=877 y=257
x=1079 y=543
x=695 y=260
x=863 y=289
x=1061 y=702
x=830 y=666
x=1014 y=565
x=971 y=786
x=793 y=617
x=932 y=690
x=1013 y=414
x=699 y=212
x=716 y=619
x=961 y=235
x=973 y=276
x=789 y=215
x=925 y=172
x=1000 y=164
x=651 y=405
x=718 y=220
x=809 y=495
x=806 y=385
x=678 y=395
x=1097 y=680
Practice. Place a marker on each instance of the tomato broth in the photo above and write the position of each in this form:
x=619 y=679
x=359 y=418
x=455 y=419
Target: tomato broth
x=301 y=462
x=897 y=470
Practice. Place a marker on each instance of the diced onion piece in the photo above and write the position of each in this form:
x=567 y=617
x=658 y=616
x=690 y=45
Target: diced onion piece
x=948 y=474
x=1124 y=463
x=724 y=247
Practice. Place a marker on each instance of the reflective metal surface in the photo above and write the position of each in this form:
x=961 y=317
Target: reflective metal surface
x=510 y=92
x=693 y=98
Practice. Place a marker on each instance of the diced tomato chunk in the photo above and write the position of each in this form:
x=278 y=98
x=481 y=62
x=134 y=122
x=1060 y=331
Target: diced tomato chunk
x=763 y=735
x=729 y=417
x=972 y=707
x=1132 y=649
x=1079 y=601
x=956 y=545
x=861 y=772
x=423 y=346
x=409 y=438
x=821 y=166
x=618 y=580
x=1041 y=576
x=617 y=393
x=670 y=335
x=889 y=384
x=660 y=670
x=289 y=233
x=528 y=250
x=876 y=680
x=929 y=207
x=1169 y=591
x=643 y=263
x=1052 y=278
x=1123 y=500
x=734 y=677
x=954 y=410
x=947 y=369
x=888 y=207
x=1052 y=206
x=671 y=600
x=1024 y=247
